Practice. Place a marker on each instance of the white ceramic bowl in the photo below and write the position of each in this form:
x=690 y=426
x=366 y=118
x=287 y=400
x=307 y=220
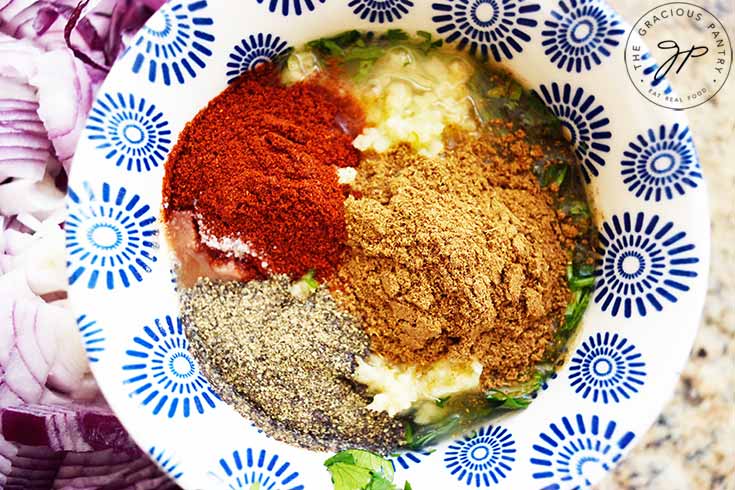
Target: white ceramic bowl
x=643 y=175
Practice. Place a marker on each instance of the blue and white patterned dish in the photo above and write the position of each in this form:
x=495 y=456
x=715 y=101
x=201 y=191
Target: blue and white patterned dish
x=643 y=178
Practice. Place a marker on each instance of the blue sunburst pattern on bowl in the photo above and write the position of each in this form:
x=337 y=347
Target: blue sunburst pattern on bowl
x=174 y=44
x=130 y=131
x=483 y=458
x=584 y=121
x=252 y=51
x=405 y=459
x=643 y=261
x=93 y=337
x=111 y=237
x=166 y=461
x=573 y=453
x=256 y=468
x=287 y=7
x=490 y=28
x=607 y=368
x=661 y=163
x=380 y=11
x=161 y=373
x=580 y=34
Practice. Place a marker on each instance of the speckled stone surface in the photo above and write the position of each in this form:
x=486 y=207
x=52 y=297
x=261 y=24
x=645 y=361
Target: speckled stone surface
x=692 y=444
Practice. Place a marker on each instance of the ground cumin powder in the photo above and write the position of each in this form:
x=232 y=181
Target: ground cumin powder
x=461 y=255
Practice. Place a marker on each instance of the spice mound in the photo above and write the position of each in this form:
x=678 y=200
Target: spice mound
x=444 y=262
x=380 y=242
x=255 y=172
x=286 y=362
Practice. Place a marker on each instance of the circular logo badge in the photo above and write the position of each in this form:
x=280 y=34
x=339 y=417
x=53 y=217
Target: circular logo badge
x=678 y=55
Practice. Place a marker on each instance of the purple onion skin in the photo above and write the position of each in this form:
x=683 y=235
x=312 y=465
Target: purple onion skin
x=113 y=463
x=24 y=428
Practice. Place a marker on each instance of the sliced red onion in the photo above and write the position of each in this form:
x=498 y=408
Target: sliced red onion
x=71 y=448
x=65 y=97
x=13 y=284
x=16 y=242
x=26 y=196
x=8 y=397
x=24 y=145
x=42 y=355
x=45 y=95
x=19 y=379
x=16 y=104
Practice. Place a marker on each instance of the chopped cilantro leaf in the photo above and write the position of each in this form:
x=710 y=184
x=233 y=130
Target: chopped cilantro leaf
x=515 y=91
x=347 y=476
x=440 y=402
x=578 y=208
x=371 y=461
x=310 y=280
x=580 y=277
x=575 y=310
x=340 y=457
x=335 y=45
x=554 y=174
x=394 y=35
x=380 y=483
x=507 y=401
x=428 y=43
x=357 y=469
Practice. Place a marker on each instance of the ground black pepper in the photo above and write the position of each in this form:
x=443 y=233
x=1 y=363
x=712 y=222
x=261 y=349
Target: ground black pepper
x=286 y=363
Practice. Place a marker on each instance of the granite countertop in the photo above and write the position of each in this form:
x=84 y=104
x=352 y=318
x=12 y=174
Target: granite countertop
x=692 y=444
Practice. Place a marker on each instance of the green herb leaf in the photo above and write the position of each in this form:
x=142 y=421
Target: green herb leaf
x=335 y=45
x=554 y=174
x=309 y=279
x=424 y=34
x=347 y=476
x=575 y=311
x=372 y=461
x=428 y=43
x=580 y=277
x=367 y=53
x=380 y=483
x=394 y=35
x=340 y=457
x=581 y=283
x=407 y=486
x=332 y=48
x=515 y=91
x=357 y=469
x=418 y=437
x=441 y=402
x=507 y=401
x=576 y=208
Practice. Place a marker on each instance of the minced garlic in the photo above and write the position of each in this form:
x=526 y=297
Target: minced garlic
x=398 y=388
x=411 y=97
x=408 y=97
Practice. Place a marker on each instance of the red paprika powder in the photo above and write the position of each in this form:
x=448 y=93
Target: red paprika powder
x=257 y=165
